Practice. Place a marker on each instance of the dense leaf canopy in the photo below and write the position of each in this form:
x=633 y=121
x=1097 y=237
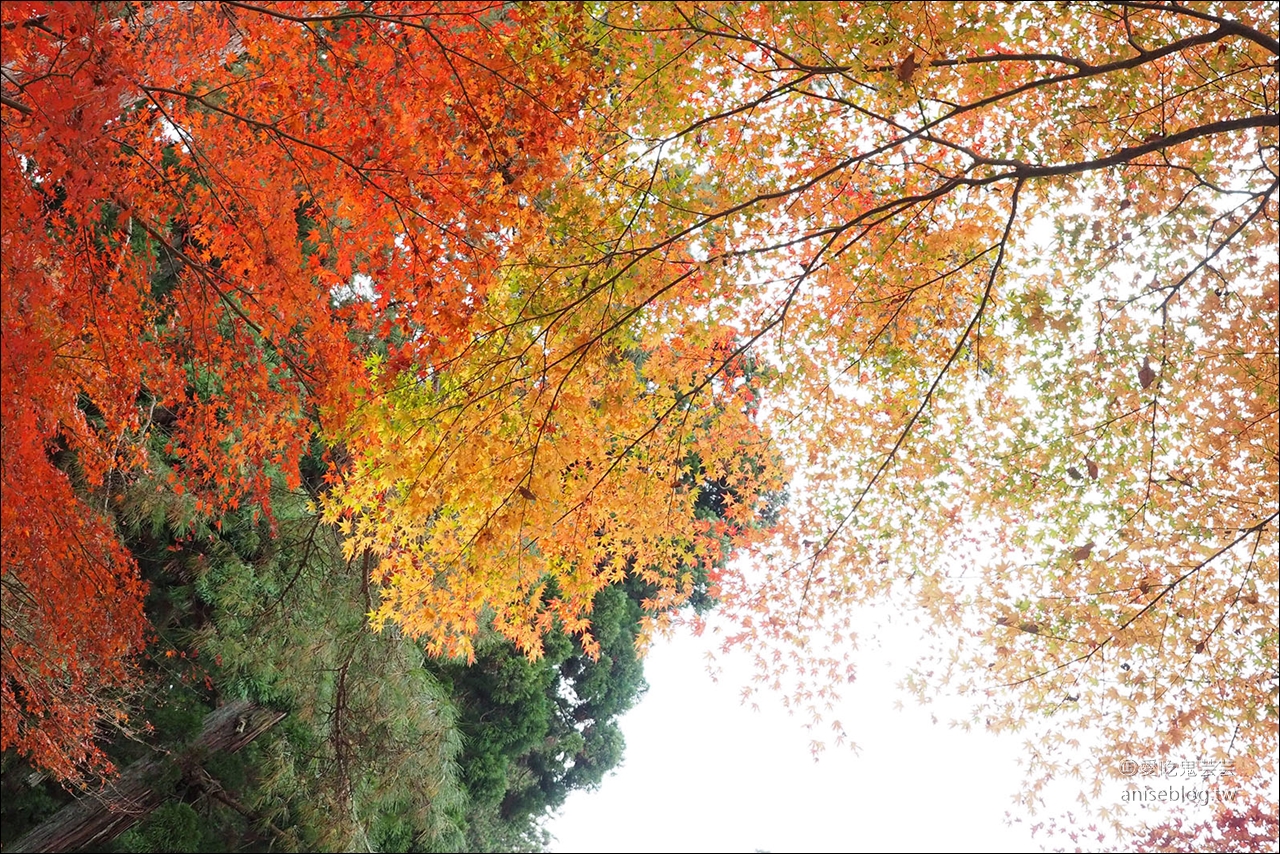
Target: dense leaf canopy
x=990 y=291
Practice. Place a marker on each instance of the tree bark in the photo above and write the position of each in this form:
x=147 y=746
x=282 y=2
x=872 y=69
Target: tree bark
x=102 y=816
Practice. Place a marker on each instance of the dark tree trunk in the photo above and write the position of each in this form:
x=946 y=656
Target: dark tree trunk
x=126 y=800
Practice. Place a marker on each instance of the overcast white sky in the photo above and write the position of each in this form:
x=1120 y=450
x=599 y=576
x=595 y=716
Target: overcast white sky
x=704 y=773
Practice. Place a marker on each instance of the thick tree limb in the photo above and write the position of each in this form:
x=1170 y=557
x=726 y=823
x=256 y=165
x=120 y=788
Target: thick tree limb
x=99 y=818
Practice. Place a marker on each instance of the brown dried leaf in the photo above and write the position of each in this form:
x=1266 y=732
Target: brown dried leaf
x=1146 y=376
x=907 y=68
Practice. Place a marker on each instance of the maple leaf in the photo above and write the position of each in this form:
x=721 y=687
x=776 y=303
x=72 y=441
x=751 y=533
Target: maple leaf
x=907 y=68
x=1146 y=376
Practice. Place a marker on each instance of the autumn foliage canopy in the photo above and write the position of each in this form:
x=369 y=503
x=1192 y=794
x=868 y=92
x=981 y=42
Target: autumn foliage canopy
x=985 y=295
x=186 y=192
